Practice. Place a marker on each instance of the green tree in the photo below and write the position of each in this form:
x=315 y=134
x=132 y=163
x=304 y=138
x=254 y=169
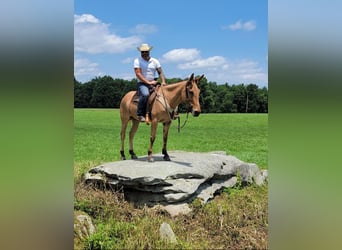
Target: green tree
x=262 y=100
x=252 y=104
x=82 y=94
x=240 y=98
x=103 y=92
x=207 y=95
x=224 y=99
x=120 y=88
x=106 y=92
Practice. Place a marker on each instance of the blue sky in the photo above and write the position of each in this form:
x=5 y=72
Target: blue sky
x=226 y=40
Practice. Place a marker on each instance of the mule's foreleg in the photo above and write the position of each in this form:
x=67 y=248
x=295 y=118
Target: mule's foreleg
x=152 y=139
x=135 y=125
x=123 y=135
x=165 y=136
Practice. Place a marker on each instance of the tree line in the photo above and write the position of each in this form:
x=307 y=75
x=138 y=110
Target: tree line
x=106 y=92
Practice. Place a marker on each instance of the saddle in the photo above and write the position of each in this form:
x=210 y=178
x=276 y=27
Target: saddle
x=153 y=96
x=153 y=93
x=151 y=99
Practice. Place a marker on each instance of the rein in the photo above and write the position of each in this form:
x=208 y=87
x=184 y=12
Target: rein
x=179 y=126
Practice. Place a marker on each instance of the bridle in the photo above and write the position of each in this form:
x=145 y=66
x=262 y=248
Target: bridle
x=188 y=101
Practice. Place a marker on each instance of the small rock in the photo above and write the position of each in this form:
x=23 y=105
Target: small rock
x=166 y=233
x=83 y=225
x=177 y=209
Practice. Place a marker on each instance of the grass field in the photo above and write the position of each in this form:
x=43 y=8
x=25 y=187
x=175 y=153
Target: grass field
x=97 y=136
x=236 y=219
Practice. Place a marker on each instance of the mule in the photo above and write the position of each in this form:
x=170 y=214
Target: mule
x=168 y=98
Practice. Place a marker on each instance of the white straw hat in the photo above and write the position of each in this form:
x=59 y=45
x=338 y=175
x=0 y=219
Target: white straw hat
x=145 y=47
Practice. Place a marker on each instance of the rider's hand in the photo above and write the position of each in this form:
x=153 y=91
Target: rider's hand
x=153 y=82
x=163 y=83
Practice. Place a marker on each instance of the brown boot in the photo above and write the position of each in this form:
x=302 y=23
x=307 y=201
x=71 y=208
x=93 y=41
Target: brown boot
x=147 y=119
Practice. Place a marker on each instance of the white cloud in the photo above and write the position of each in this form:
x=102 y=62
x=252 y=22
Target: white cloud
x=127 y=60
x=86 y=18
x=93 y=36
x=242 y=71
x=239 y=25
x=218 y=68
x=84 y=69
x=144 y=29
x=126 y=76
x=210 y=62
x=177 y=55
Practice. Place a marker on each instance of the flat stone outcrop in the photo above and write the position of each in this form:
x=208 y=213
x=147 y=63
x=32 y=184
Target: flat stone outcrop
x=187 y=176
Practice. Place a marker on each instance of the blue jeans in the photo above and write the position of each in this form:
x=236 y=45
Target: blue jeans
x=144 y=93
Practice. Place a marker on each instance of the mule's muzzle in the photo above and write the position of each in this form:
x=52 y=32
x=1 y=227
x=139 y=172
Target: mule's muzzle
x=196 y=113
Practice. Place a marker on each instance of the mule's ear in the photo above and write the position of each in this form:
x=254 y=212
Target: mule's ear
x=189 y=82
x=199 y=78
x=191 y=77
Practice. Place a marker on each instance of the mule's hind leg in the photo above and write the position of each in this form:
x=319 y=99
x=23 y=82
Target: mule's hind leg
x=135 y=125
x=165 y=136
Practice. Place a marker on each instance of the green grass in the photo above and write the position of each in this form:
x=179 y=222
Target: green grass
x=97 y=136
x=235 y=219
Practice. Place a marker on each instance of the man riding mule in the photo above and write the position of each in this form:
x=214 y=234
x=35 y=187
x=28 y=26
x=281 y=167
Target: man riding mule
x=168 y=97
x=145 y=68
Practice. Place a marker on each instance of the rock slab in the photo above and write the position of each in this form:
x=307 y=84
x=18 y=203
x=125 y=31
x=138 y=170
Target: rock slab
x=187 y=176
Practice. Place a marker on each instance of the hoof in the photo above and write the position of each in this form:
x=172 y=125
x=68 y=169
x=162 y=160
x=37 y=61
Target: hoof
x=122 y=153
x=133 y=155
x=150 y=159
x=166 y=158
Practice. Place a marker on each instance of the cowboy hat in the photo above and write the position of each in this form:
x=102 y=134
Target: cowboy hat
x=145 y=47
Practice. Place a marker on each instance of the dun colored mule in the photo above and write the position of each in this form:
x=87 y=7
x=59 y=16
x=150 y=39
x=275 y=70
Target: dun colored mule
x=168 y=98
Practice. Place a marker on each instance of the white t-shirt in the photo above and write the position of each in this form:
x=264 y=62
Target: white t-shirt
x=148 y=68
